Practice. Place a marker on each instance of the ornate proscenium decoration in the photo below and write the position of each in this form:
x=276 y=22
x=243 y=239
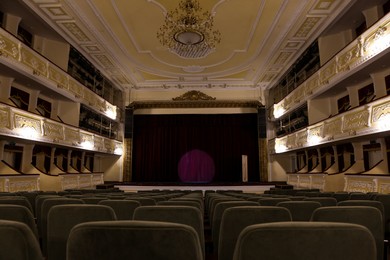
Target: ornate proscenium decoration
x=188 y=31
x=193 y=95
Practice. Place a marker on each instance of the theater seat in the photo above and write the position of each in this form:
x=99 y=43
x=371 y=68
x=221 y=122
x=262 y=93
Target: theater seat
x=325 y=201
x=16 y=200
x=219 y=209
x=46 y=205
x=186 y=215
x=235 y=219
x=367 y=216
x=305 y=241
x=21 y=214
x=300 y=210
x=17 y=241
x=62 y=218
x=124 y=209
x=141 y=240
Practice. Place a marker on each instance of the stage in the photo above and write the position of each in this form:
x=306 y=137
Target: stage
x=247 y=187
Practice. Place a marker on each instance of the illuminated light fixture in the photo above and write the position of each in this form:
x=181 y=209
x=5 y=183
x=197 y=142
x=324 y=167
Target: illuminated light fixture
x=188 y=31
x=118 y=151
x=278 y=111
x=111 y=112
x=87 y=145
x=314 y=140
x=29 y=132
x=280 y=147
x=380 y=42
x=383 y=124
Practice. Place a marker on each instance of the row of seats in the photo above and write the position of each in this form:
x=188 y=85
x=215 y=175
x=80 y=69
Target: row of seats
x=230 y=215
x=57 y=216
x=113 y=239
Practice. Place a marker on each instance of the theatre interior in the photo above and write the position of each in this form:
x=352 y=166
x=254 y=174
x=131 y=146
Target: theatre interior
x=194 y=129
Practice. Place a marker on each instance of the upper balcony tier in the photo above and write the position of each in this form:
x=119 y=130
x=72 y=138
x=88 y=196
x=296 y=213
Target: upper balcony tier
x=364 y=51
x=19 y=58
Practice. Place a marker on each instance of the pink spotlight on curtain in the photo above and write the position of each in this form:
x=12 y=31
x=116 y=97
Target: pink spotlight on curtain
x=196 y=166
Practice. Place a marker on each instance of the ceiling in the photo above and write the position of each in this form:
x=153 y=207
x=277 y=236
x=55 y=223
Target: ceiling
x=260 y=39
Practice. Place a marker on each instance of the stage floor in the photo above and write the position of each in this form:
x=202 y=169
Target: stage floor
x=244 y=187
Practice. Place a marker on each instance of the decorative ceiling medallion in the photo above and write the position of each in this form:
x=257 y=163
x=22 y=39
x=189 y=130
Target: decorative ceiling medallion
x=193 y=95
x=188 y=31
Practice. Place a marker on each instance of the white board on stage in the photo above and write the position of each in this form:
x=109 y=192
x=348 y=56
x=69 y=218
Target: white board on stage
x=244 y=160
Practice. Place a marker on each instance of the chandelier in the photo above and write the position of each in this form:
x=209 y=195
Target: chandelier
x=188 y=31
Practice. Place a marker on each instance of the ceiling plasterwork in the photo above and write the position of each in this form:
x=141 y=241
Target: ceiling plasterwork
x=260 y=39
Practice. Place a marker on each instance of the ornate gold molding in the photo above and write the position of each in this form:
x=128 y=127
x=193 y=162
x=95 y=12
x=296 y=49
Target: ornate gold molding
x=193 y=95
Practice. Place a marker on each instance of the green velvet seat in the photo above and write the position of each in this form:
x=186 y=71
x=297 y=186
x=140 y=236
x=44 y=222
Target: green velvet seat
x=18 y=242
x=367 y=216
x=325 y=201
x=300 y=210
x=181 y=203
x=143 y=200
x=17 y=200
x=21 y=214
x=62 y=218
x=385 y=200
x=271 y=201
x=219 y=209
x=141 y=240
x=124 y=209
x=186 y=215
x=235 y=219
x=305 y=241
x=47 y=204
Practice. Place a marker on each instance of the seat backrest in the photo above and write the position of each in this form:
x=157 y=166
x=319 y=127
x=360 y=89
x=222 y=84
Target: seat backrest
x=325 y=201
x=38 y=204
x=186 y=215
x=144 y=201
x=305 y=241
x=142 y=240
x=21 y=214
x=219 y=209
x=340 y=196
x=62 y=218
x=198 y=200
x=359 y=196
x=30 y=196
x=367 y=216
x=235 y=219
x=17 y=241
x=47 y=204
x=181 y=203
x=271 y=201
x=93 y=200
x=124 y=209
x=371 y=203
x=385 y=200
x=300 y=210
x=16 y=200
x=214 y=201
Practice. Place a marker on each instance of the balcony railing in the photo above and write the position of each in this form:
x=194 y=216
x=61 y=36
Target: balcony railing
x=358 y=54
x=18 y=123
x=371 y=118
x=22 y=58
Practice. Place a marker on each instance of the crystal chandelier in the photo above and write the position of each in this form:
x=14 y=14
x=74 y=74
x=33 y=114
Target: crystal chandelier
x=188 y=31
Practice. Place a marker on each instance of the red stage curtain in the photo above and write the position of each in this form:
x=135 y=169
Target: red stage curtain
x=160 y=141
